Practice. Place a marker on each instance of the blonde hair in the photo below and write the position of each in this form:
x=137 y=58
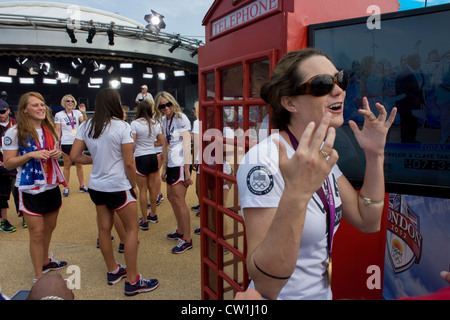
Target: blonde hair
x=64 y=99
x=196 y=109
x=25 y=128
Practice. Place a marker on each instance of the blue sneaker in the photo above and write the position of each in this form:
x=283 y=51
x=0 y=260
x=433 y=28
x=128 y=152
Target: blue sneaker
x=53 y=265
x=115 y=277
x=159 y=199
x=174 y=235
x=140 y=286
x=182 y=246
x=66 y=192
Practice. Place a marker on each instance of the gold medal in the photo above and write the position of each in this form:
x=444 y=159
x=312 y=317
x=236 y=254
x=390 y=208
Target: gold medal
x=44 y=165
x=74 y=131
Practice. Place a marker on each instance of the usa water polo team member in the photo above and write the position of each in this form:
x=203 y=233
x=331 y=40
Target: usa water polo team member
x=292 y=193
x=176 y=128
x=67 y=122
x=112 y=185
x=31 y=146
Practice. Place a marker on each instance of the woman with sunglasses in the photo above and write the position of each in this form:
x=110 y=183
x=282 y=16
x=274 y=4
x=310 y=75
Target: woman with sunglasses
x=292 y=193
x=67 y=122
x=112 y=185
x=146 y=132
x=176 y=168
x=31 y=146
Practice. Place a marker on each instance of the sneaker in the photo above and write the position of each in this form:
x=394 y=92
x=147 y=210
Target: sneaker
x=116 y=276
x=66 y=192
x=143 y=225
x=197 y=214
x=159 y=199
x=24 y=224
x=182 y=246
x=197 y=231
x=174 y=235
x=141 y=285
x=83 y=189
x=7 y=227
x=196 y=208
x=53 y=265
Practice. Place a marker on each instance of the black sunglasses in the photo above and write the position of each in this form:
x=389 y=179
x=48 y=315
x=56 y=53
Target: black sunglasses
x=163 y=106
x=3 y=111
x=322 y=84
x=70 y=101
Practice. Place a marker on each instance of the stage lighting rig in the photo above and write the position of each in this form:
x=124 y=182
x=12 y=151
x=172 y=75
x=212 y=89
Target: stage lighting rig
x=91 y=33
x=110 y=33
x=70 y=31
x=175 y=45
x=155 y=22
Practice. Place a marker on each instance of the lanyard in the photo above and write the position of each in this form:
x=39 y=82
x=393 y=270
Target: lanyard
x=168 y=126
x=44 y=147
x=328 y=201
x=72 y=122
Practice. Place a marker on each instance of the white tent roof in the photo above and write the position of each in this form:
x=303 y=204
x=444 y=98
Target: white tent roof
x=64 y=11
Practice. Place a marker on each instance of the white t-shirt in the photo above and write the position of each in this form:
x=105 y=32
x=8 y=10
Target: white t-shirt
x=261 y=186
x=10 y=142
x=66 y=121
x=172 y=130
x=108 y=170
x=145 y=143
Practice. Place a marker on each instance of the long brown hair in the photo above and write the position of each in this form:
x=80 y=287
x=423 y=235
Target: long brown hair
x=25 y=128
x=107 y=106
x=144 y=111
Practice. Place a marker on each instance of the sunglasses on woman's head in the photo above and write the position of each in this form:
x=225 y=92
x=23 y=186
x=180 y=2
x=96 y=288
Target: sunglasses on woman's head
x=163 y=106
x=322 y=84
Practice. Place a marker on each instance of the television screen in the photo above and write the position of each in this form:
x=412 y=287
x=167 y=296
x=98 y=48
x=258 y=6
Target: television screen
x=400 y=60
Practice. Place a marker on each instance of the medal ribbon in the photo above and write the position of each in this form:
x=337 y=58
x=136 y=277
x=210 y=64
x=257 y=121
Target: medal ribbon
x=168 y=129
x=328 y=202
x=72 y=122
x=44 y=147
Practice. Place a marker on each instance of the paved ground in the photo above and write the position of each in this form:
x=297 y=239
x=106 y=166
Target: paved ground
x=74 y=240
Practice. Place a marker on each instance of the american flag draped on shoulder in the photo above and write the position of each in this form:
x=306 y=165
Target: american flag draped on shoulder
x=36 y=173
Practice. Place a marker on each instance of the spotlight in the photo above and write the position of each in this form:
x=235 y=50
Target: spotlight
x=155 y=22
x=193 y=53
x=174 y=46
x=70 y=32
x=92 y=33
x=111 y=34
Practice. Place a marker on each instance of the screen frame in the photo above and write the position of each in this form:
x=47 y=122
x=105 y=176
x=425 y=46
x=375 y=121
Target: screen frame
x=428 y=190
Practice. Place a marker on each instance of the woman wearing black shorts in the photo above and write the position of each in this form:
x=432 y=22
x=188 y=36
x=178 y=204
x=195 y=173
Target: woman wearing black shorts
x=146 y=132
x=31 y=146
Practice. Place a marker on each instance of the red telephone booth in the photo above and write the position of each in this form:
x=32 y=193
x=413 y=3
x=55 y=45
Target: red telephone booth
x=244 y=41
